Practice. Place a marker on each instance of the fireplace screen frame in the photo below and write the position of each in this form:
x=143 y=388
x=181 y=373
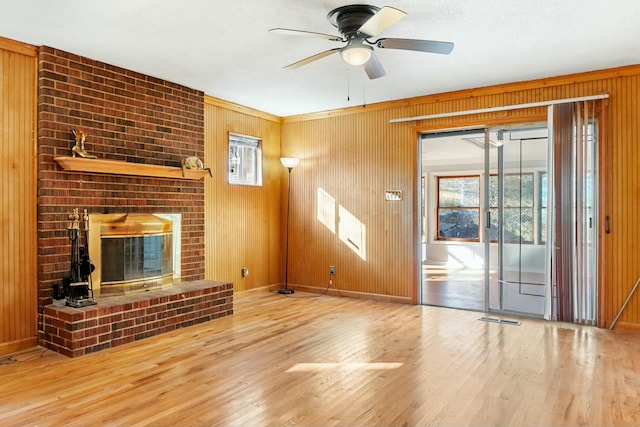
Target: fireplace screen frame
x=169 y=278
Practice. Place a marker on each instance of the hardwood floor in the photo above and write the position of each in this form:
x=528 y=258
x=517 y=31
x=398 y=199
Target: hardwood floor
x=453 y=288
x=331 y=361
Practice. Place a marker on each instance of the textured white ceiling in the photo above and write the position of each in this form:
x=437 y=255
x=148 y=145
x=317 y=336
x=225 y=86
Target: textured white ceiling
x=224 y=48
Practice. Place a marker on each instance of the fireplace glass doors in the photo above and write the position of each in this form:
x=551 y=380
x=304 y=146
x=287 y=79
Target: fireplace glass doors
x=135 y=252
x=132 y=258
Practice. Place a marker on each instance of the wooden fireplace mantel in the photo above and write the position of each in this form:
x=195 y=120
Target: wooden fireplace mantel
x=119 y=167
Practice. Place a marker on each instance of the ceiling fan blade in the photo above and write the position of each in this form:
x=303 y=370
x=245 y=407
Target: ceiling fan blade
x=383 y=19
x=374 y=68
x=312 y=58
x=413 y=44
x=306 y=33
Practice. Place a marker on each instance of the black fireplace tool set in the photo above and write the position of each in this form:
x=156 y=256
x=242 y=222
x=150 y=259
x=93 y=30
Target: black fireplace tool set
x=77 y=286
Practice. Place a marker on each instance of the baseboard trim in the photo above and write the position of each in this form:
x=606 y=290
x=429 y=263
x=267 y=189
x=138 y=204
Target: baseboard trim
x=626 y=327
x=251 y=292
x=343 y=293
x=14 y=346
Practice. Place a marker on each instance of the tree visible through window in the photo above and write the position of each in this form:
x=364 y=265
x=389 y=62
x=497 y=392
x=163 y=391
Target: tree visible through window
x=518 y=208
x=459 y=208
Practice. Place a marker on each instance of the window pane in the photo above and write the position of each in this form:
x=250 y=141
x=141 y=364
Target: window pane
x=245 y=160
x=458 y=223
x=459 y=192
x=518 y=208
x=493 y=190
x=542 y=231
x=518 y=225
x=493 y=231
x=518 y=190
x=543 y=189
x=543 y=225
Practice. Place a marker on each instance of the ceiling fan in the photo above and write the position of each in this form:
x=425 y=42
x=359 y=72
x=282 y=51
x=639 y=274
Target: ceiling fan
x=358 y=23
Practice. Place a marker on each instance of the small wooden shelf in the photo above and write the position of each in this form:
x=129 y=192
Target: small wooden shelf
x=119 y=167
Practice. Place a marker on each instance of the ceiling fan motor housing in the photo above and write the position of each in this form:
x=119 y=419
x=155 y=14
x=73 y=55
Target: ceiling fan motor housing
x=348 y=19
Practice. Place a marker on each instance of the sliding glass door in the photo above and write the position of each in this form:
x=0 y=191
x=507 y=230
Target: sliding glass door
x=453 y=259
x=515 y=182
x=509 y=217
x=484 y=227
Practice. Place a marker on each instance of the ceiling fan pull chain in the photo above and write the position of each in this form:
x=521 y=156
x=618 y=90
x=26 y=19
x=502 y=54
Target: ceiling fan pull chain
x=364 y=92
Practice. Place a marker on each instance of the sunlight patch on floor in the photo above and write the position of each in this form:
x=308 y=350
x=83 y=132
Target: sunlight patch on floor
x=317 y=367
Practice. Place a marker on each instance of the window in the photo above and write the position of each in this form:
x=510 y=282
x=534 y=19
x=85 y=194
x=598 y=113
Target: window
x=518 y=208
x=245 y=160
x=459 y=208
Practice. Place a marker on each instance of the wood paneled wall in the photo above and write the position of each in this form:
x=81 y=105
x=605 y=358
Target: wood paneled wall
x=18 y=249
x=243 y=224
x=348 y=161
x=356 y=154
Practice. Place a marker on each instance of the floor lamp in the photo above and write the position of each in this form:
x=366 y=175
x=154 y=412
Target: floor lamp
x=289 y=163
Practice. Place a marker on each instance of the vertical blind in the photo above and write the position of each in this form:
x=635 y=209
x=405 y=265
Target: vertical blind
x=574 y=200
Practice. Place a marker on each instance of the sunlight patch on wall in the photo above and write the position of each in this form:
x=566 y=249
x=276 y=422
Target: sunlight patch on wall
x=352 y=232
x=327 y=210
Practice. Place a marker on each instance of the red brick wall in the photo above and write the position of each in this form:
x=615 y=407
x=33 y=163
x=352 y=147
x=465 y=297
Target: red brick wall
x=116 y=321
x=127 y=116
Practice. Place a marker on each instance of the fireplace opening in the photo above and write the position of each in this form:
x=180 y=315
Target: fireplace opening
x=136 y=252
x=137 y=259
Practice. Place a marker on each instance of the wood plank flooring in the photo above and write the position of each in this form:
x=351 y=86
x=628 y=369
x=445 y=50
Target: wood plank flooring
x=454 y=288
x=328 y=361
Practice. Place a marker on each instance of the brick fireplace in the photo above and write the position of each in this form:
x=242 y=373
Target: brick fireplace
x=127 y=117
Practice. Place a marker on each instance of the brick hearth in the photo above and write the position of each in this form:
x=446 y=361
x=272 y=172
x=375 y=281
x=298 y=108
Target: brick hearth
x=123 y=319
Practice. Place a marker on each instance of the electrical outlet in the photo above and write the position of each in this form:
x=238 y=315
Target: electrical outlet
x=245 y=271
x=332 y=270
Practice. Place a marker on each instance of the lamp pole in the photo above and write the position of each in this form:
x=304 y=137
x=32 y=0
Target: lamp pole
x=289 y=163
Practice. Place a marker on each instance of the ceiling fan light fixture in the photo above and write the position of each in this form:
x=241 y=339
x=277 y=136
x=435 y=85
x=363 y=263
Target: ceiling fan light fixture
x=356 y=54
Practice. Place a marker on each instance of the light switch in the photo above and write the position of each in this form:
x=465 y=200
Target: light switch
x=393 y=195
